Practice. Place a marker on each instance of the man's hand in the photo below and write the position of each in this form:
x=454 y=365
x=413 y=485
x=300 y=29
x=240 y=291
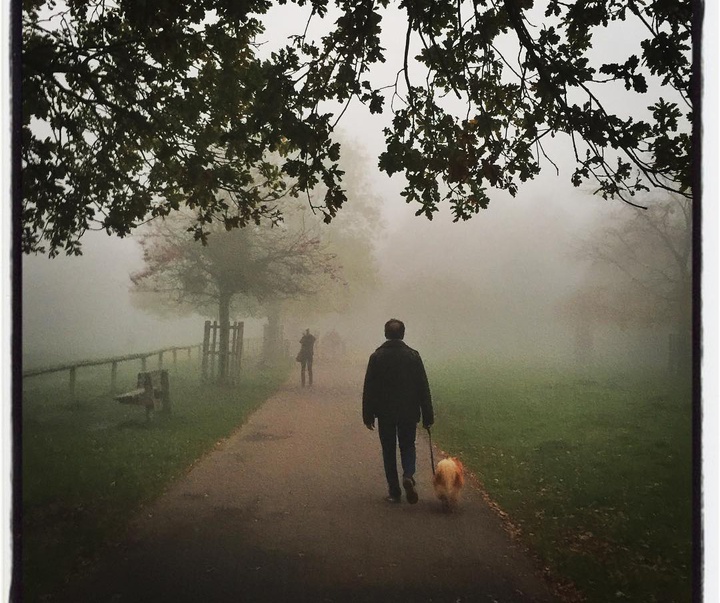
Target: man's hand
x=427 y=425
x=370 y=426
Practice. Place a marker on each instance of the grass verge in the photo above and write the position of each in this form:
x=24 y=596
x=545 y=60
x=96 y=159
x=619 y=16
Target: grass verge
x=88 y=464
x=595 y=471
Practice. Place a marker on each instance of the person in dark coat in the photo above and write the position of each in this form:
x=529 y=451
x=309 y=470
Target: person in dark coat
x=305 y=356
x=397 y=393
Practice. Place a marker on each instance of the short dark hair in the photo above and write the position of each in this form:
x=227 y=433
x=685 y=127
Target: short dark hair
x=394 y=329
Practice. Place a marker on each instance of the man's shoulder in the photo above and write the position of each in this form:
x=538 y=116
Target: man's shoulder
x=395 y=346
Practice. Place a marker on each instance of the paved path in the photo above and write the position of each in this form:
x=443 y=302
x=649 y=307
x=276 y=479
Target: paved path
x=291 y=509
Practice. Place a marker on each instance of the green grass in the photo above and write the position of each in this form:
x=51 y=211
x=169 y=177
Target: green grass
x=595 y=471
x=88 y=464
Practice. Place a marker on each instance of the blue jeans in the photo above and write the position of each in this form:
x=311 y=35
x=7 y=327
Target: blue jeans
x=392 y=433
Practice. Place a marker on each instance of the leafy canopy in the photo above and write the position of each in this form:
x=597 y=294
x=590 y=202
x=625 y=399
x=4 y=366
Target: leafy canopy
x=132 y=109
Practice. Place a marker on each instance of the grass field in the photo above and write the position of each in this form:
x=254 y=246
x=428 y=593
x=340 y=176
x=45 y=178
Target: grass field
x=595 y=471
x=89 y=463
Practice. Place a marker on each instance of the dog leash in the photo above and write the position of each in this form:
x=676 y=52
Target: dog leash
x=432 y=456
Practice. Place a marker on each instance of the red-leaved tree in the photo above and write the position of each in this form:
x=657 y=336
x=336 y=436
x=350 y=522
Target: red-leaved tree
x=246 y=270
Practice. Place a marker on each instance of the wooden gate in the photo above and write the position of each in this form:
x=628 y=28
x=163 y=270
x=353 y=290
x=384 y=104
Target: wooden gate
x=213 y=357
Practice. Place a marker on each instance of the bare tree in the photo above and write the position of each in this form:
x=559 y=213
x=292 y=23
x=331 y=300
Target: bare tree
x=640 y=271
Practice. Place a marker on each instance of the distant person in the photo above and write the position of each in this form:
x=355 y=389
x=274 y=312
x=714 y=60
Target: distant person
x=397 y=393
x=332 y=345
x=305 y=356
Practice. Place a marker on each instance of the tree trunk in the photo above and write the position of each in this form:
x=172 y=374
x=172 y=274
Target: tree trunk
x=224 y=343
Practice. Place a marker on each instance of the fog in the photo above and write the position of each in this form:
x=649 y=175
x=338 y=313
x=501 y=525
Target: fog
x=491 y=286
x=75 y=308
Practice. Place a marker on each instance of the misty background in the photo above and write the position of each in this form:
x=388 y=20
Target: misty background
x=495 y=286
x=491 y=286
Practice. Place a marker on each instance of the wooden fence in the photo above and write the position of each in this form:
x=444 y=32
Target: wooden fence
x=72 y=367
x=216 y=362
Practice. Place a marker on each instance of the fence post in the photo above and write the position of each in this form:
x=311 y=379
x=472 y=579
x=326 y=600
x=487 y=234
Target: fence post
x=213 y=348
x=232 y=360
x=205 y=350
x=165 y=385
x=160 y=360
x=240 y=339
x=143 y=364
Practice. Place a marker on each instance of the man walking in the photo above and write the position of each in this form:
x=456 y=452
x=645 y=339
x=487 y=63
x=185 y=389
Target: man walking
x=397 y=393
x=305 y=356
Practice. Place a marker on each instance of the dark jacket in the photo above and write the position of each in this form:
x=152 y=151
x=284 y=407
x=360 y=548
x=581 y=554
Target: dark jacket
x=307 y=345
x=396 y=386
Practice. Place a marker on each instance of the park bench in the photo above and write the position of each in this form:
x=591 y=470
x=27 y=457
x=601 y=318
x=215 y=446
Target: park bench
x=153 y=387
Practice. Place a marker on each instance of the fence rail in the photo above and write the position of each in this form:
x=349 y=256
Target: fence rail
x=113 y=361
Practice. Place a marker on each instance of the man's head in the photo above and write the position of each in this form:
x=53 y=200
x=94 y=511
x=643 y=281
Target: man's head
x=394 y=329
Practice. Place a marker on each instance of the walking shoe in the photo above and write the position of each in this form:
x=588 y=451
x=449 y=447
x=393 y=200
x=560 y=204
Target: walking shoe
x=410 y=492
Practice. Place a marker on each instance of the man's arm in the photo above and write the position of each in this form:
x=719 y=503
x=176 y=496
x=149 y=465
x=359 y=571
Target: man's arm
x=368 y=398
x=426 y=407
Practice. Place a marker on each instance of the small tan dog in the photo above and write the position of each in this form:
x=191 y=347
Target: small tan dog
x=448 y=481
